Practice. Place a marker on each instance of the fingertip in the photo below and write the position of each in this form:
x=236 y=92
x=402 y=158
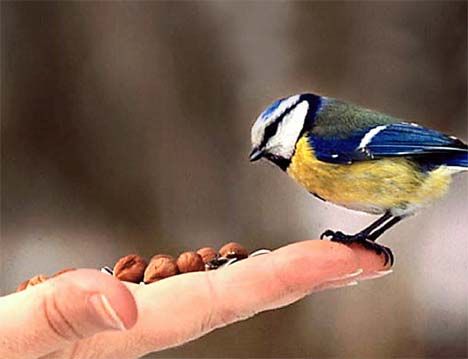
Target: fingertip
x=369 y=260
x=316 y=261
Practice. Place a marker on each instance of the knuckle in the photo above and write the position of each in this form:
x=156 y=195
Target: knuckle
x=57 y=321
x=283 y=272
x=219 y=314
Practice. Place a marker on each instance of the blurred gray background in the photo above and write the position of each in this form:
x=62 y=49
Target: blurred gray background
x=126 y=128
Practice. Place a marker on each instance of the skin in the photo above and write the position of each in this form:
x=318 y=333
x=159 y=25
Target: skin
x=57 y=319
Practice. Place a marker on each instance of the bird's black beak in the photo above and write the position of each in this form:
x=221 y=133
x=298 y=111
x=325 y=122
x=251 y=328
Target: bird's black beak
x=256 y=154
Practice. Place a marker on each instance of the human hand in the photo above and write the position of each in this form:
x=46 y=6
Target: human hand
x=87 y=314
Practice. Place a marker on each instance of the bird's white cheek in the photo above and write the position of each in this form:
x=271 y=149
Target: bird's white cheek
x=284 y=142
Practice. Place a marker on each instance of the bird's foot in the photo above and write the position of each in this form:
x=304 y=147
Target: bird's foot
x=365 y=241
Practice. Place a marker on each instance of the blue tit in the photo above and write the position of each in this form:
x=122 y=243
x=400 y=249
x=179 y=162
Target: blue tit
x=358 y=158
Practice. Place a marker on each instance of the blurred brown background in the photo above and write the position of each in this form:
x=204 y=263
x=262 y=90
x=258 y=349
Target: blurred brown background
x=125 y=127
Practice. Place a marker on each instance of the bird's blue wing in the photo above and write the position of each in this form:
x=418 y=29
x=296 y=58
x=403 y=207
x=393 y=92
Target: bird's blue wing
x=392 y=140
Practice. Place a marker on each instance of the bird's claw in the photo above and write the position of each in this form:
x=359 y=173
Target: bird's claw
x=379 y=249
x=328 y=233
x=365 y=241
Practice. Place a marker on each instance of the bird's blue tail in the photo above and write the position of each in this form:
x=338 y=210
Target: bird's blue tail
x=455 y=161
x=459 y=160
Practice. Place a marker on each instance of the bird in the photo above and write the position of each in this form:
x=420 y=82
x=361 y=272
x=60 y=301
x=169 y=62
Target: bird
x=358 y=158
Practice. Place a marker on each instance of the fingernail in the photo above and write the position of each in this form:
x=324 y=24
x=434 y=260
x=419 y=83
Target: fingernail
x=349 y=284
x=106 y=313
x=354 y=274
x=377 y=274
x=335 y=285
x=347 y=276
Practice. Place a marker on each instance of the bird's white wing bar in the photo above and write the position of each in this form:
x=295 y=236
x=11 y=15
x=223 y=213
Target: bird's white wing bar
x=370 y=135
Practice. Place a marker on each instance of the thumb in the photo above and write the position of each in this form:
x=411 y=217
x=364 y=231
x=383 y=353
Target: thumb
x=52 y=315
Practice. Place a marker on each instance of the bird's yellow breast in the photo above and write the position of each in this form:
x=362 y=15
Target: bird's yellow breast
x=372 y=186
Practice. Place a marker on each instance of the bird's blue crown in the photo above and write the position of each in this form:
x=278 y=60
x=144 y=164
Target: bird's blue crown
x=270 y=109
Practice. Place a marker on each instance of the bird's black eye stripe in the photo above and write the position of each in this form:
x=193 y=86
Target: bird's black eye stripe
x=270 y=131
x=272 y=128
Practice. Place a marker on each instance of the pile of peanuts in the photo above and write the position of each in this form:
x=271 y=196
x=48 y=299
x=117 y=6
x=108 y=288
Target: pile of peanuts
x=134 y=268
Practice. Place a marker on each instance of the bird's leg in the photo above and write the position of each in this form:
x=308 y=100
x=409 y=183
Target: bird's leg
x=362 y=235
x=366 y=237
x=378 y=232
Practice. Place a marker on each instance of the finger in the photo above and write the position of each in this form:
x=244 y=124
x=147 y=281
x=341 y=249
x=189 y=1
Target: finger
x=187 y=306
x=373 y=266
x=62 y=310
